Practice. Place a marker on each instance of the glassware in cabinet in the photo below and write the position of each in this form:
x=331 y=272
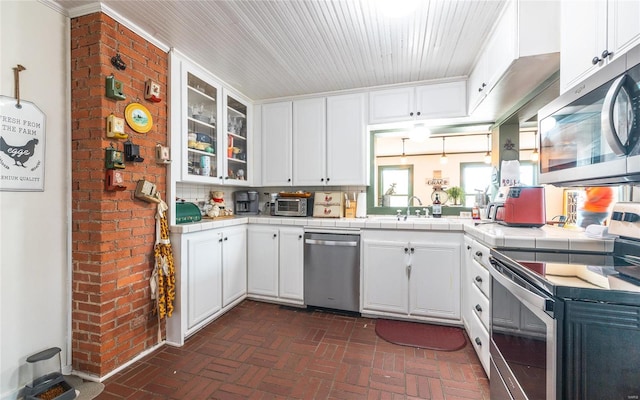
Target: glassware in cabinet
x=202 y=132
x=237 y=140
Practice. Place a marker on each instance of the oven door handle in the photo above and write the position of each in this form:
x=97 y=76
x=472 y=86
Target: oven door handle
x=517 y=290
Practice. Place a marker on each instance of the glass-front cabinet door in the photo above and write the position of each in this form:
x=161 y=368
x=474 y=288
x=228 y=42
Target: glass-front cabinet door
x=201 y=139
x=210 y=127
x=236 y=112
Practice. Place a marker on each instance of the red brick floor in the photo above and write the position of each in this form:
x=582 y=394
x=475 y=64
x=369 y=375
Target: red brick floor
x=265 y=351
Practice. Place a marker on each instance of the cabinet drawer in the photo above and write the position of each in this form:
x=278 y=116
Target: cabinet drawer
x=480 y=277
x=480 y=341
x=479 y=303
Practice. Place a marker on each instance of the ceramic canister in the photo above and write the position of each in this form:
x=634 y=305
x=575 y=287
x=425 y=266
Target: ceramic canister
x=205 y=165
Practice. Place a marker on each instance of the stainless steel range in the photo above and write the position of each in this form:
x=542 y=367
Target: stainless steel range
x=566 y=325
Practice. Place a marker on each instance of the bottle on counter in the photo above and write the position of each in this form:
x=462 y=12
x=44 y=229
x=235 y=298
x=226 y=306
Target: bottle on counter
x=437 y=207
x=475 y=212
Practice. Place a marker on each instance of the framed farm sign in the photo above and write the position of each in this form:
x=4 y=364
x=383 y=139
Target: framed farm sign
x=22 y=129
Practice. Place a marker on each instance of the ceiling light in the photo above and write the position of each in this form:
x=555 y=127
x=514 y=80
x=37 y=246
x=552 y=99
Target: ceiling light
x=443 y=157
x=403 y=159
x=535 y=156
x=419 y=133
x=487 y=157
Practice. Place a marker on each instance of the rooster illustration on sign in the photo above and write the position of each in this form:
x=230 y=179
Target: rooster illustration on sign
x=20 y=154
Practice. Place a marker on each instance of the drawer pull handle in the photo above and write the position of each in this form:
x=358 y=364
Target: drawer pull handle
x=478 y=341
x=478 y=308
x=478 y=279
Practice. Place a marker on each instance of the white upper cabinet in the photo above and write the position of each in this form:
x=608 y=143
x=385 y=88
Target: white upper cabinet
x=310 y=141
x=347 y=141
x=497 y=55
x=276 y=144
x=210 y=128
x=593 y=34
x=520 y=53
x=237 y=153
x=441 y=100
x=315 y=142
x=438 y=100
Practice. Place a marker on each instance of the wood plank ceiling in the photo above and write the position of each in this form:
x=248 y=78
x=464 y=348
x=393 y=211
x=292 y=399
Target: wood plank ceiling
x=277 y=48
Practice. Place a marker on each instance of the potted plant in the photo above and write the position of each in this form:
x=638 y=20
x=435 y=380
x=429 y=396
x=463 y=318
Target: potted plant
x=455 y=193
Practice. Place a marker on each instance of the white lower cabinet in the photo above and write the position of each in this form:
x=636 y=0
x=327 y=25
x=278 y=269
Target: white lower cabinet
x=275 y=263
x=476 y=312
x=210 y=278
x=234 y=265
x=412 y=274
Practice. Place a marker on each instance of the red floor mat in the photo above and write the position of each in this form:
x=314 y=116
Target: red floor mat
x=425 y=336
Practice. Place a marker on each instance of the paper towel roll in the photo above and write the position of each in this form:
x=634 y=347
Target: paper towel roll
x=361 y=205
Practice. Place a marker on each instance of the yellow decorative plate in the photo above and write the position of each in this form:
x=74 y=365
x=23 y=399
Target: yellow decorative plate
x=138 y=117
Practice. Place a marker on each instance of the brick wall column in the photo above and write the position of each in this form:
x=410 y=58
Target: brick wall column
x=113 y=234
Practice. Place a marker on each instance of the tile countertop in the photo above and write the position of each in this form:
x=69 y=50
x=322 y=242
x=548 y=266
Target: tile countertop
x=491 y=234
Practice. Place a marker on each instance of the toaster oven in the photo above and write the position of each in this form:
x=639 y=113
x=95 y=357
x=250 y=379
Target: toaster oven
x=293 y=206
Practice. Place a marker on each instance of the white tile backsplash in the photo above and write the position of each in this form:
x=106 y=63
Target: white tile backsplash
x=194 y=192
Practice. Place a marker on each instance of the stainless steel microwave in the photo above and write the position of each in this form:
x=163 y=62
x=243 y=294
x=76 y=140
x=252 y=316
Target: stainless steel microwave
x=590 y=135
x=293 y=206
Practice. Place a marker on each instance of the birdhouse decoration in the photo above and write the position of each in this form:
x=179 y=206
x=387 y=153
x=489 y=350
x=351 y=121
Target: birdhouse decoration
x=152 y=91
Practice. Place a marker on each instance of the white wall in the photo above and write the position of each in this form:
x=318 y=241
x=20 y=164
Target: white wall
x=34 y=226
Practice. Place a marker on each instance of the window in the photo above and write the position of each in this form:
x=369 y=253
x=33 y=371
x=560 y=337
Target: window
x=474 y=177
x=395 y=185
x=477 y=176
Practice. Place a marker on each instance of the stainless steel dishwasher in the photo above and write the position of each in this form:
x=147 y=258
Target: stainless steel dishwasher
x=332 y=269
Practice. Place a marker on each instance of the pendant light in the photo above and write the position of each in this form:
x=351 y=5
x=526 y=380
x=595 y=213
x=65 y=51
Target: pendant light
x=403 y=159
x=443 y=157
x=487 y=157
x=535 y=156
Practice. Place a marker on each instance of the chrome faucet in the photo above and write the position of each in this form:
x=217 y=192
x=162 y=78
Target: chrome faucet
x=409 y=205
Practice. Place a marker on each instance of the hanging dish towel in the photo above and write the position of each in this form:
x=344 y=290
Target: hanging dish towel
x=163 y=279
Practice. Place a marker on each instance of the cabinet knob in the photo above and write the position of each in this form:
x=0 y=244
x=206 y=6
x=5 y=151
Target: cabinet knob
x=289 y=180
x=220 y=177
x=220 y=240
x=478 y=279
x=468 y=247
x=411 y=114
x=327 y=179
x=413 y=250
x=321 y=179
x=478 y=341
x=299 y=236
x=595 y=60
x=418 y=113
x=406 y=250
x=275 y=235
x=226 y=238
x=606 y=54
x=478 y=253
x=479 y=89
x=478 y=308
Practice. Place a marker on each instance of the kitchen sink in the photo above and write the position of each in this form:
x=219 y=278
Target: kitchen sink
x=412 y=218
